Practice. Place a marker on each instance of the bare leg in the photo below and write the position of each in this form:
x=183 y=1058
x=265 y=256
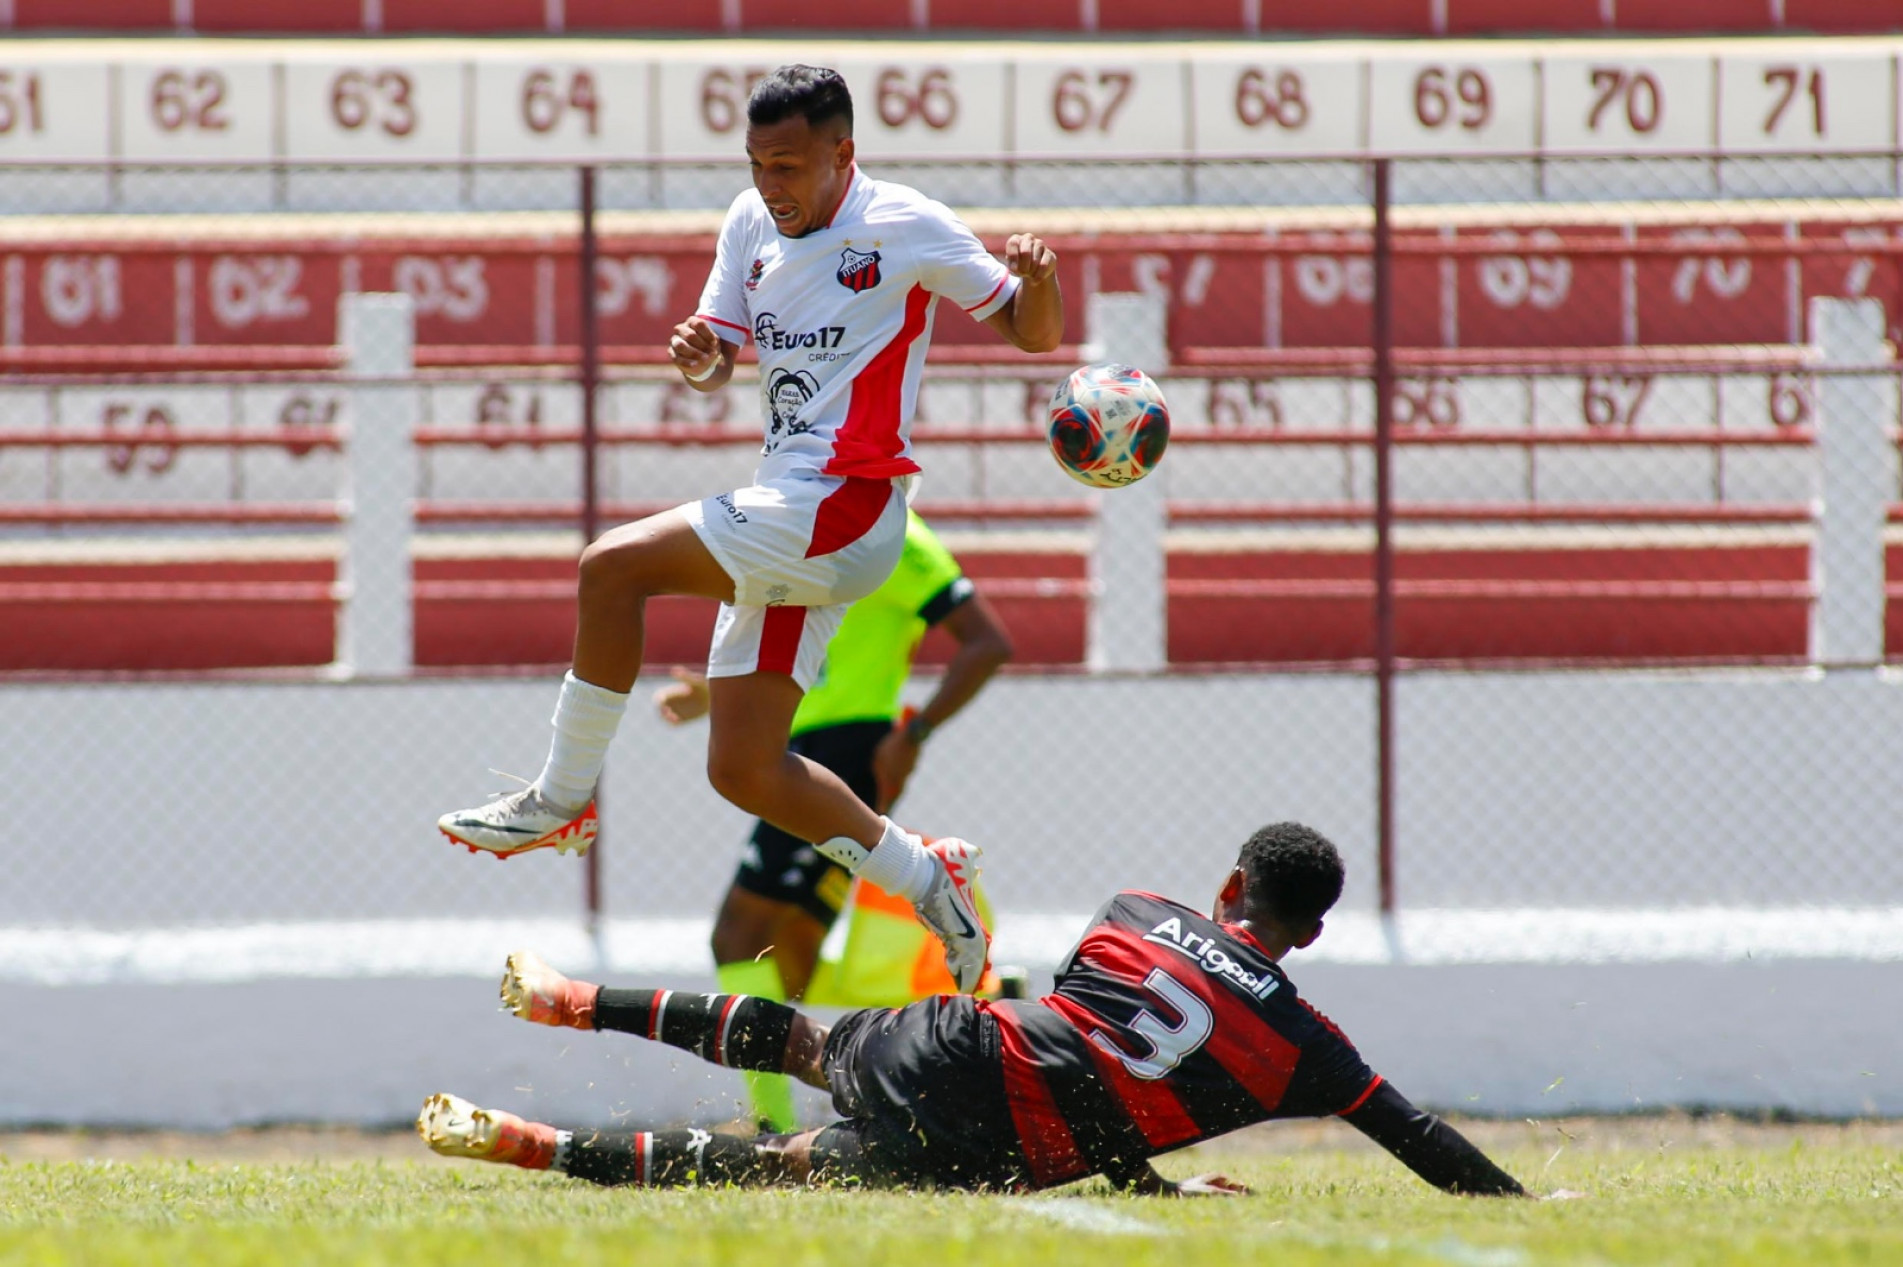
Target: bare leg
x=793 y=1154
x=661 y=554
x=749 y=926
x=749 y=721
x=804 y=1046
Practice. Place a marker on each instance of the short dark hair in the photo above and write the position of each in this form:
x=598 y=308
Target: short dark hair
x=1293 y=873
x=815 y=93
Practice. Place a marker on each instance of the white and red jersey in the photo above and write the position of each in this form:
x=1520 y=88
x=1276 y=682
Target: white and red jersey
x=841 y=319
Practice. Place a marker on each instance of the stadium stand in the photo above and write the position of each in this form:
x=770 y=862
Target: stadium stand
x=1018 y=17
x=1583 y=340
x=1656 y=334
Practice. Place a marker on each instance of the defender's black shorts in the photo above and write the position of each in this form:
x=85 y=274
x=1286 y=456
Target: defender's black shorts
x=922 y=1092
x=787 y=869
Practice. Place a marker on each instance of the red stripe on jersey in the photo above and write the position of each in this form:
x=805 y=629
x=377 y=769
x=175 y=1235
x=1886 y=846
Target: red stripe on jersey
x=1243 y=1043
x=1149 y=1102
x=780 y=639
x=848 y=513
x=1327 y=1024
x=1362 y=1098
x=868 y=441
x=1048 y=1146
x=733 y=1000
x=708 y=316
x=993 y=295
x=852 y=174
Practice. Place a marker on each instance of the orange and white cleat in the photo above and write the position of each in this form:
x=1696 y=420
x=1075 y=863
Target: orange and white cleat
x=519 y=822
x=454 y=1127
x=539 y=994
x=950 y=909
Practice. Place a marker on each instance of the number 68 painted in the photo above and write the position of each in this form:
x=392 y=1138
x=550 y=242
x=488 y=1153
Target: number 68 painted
x=1170 y=1046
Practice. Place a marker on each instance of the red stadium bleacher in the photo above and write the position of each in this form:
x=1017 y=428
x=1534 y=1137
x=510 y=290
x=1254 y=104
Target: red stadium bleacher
x=145 y=295
x=1600 y=302
x=1245 y=606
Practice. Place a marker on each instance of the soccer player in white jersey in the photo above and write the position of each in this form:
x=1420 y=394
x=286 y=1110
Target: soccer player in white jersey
x=834 y=278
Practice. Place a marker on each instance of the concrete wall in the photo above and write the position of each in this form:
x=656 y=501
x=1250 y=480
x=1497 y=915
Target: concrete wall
x=1510 y=1040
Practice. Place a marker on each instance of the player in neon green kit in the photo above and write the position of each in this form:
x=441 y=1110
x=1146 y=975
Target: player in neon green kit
x=785 y=895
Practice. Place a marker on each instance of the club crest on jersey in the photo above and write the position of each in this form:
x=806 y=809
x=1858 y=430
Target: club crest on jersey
x=754 y=274
x=858 y=270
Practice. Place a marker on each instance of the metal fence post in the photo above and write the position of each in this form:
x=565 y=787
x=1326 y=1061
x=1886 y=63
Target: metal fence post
x=590 y=481
x=1128 y=625
x=374 y=618
x=1383 y=348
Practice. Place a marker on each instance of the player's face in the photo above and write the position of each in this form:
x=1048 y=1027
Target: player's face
x=801 y=172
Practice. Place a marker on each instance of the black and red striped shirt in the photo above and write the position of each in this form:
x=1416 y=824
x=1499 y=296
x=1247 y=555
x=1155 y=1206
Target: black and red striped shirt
x=1164 y=1029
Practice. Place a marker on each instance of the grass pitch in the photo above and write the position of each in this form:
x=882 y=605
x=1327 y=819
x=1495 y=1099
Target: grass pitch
x=1661 y=1190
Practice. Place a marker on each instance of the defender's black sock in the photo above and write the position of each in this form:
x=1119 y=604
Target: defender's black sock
x=663 y=1159
x=735 y=1030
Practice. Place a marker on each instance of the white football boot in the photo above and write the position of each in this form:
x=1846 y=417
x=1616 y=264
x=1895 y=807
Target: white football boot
x=521 y=821
x=454 y=1127
x=950 y=909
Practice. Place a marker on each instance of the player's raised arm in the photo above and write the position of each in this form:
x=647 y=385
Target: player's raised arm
x=1429 y=1147
x=704 y=359
x=983 y=648
x=1034 y=319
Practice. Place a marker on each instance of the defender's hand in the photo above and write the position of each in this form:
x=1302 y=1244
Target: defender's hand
x=892 y=764
x=1026 y=257
x=694 y=348
x=684 y=701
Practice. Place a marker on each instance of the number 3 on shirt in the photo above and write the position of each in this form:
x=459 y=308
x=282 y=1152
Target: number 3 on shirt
x=1171 y=1046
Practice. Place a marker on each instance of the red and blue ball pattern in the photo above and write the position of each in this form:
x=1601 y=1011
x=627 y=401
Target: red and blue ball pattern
x=1109 y=425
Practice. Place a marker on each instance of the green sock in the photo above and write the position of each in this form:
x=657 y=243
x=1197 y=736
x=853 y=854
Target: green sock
x=772 y=1093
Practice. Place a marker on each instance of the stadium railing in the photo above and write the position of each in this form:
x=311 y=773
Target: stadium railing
x=864 y=17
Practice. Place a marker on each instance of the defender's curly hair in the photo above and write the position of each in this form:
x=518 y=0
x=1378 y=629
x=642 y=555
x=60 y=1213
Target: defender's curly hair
x=1294 y=873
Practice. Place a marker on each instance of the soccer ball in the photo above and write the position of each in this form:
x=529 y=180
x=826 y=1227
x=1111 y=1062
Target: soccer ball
x=1109 y=425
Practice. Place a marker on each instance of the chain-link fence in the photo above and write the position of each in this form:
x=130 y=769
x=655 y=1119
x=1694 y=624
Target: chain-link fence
x=1514 y=509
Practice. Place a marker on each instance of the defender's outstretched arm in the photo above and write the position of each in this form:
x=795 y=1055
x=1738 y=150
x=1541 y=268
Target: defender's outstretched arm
x=1429 y=1147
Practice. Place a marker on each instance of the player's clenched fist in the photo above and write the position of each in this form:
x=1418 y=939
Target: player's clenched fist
x=1026 y=256
x=695 y=349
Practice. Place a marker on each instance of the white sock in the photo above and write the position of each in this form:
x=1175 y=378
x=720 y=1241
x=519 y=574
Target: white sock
x=898 y=864
x=586 y=718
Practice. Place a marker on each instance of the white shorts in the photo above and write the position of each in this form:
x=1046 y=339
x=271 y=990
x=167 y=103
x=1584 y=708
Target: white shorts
x=799 y=551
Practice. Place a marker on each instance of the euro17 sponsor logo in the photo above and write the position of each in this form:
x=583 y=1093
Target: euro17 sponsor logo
x=768 y=336
x=1206 y=954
